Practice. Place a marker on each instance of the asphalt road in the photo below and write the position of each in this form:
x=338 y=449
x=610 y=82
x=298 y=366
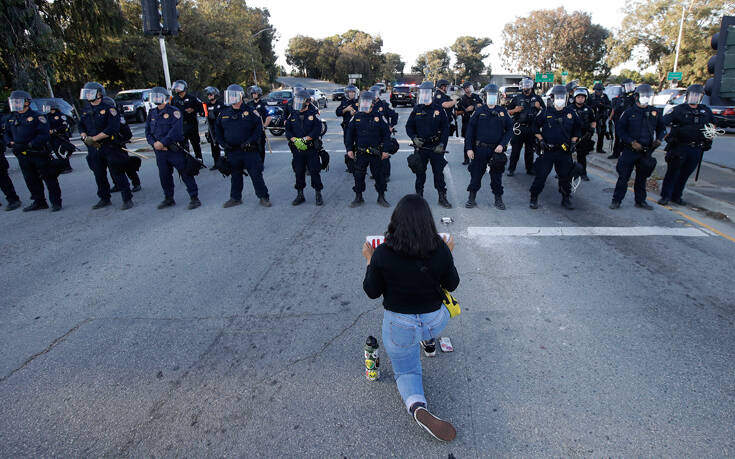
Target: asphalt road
x=239 y=332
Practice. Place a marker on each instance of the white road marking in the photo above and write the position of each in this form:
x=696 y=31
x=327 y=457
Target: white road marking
x=605 y=231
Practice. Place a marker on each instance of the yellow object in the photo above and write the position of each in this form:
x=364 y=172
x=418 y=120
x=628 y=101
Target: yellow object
x=451 y=304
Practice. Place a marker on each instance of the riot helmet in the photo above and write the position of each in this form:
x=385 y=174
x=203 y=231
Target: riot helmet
x=211 y=91
x=628 y=86
x=644 y=94
x=179 y=86
x=426 y=93
x=467 y=85
x=580 y=91
x=234 y=94
x=301 y=97
x=376 y=91
x=492 y=94
x=17 y=100
x=255 y=89
x=559 y=96
x=351 y=88
x=92 y=91
x=571 y=86
x=366 y=102
x=159 y=95
x=526 y=85
x=441 y=83
x=598 y=87
x=694 y=94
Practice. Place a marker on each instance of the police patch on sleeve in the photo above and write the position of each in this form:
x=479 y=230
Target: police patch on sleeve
x=113 y=112
x=42 y=119
x=438 y=96
x=380 y=109
x=245 y=113
x=102 y=112
x=502 y=113
x=436 y=112
x=177 y=114
x=311 y=117
x=654 y=113
x=569 y=115
x=377 y=119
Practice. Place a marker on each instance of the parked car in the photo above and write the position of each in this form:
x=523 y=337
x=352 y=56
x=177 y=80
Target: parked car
x=403 y=95
x=64 y=107
x=507 y=93
x=382 y=87
x=281 y=97
x=318 y=98
x=134 y=104
x=664 y=97
x=613 y=91
x=338 y=94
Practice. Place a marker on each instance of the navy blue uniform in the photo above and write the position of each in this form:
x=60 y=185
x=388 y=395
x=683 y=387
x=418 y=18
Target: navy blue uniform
x=132 y=166
x=104 y=118
x=645 y=126
x=261 y=108
x=441 y=97
x=166 y=126
x=462 y=104
x=366 y=135
x=602 y=106
x=28 y=133
x=585 y=144
x=430 y=124
x=382 y=109
x=524 y=125
x=6 y=185
x=213 y=111
x=191 y=122
x=302 y=124
x=619 y=105
x=488 y=128
x=346 y=114
x=686 y=144
x=557 y=127
x=239 y=131
x=60 y=131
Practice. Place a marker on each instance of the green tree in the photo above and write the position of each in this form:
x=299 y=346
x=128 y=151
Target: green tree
x=469 y=55
x=433 y=64
x=550 y=40
x=653 y=41
x=302 y=52
x=393 y=66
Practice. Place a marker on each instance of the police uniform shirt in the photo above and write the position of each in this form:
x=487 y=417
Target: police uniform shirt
x=622 y=103
x=188 y=101
x=687 y=122
x=29 y=128
x=426 y=122
x=164 y=125
x=260 y=107
x=440 y=98
x=213 y=111
x=346 y=115
x=58 y=123
x=238 y=126
x=643 y=125
x=466 y=101
x=492 y=126
x=102 y=117
x=558 y=126
x=383 y=110
x=367 y=130
x=600 y=104
x=304 y=124
x=528 y=102
x=585 y=114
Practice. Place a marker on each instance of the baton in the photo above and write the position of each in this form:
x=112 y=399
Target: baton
x=135 y=153
x=699 y=166
x=265 y=135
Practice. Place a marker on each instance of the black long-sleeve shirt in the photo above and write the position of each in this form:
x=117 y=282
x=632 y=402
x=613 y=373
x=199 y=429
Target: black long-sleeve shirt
x=404 y=287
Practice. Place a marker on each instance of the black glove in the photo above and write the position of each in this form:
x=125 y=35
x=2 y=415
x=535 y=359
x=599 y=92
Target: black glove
x=707 y=145
x=19 y=148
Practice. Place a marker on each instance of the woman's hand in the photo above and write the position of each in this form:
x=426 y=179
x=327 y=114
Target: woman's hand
x=367 y=251
x=450 y=243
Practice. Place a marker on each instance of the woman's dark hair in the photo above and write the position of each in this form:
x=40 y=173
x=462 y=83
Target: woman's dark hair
x=411 y=230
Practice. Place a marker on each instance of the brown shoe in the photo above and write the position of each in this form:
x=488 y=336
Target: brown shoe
x=438 y=428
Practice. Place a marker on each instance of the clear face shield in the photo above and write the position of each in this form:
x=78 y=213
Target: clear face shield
x=560 y=99
x=693 y=98
x=628 y=87
x=579 y=99
x=425 y=96
x=158 y=98
x=16 y=105
x=299 y=102
x=351 y=95
x=526 y=85
x=233 y=97
x=644 y=98
x=255 y=95
x=491 y=98
x=366 y=104
x=469 y=90
x=88 y=94
x=178 y=87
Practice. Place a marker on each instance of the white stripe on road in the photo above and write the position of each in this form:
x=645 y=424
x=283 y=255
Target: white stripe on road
x=531 y=231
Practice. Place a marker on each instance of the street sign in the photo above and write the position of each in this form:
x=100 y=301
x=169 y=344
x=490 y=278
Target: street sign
x=565 y=73
x=674 y=76
x=596 y=81
x=544 y=77
x=354 y=75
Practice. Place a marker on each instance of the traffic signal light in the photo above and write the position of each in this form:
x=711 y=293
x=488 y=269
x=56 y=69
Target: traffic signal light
x=170 y=15
x=721 y=87
x=151 y=17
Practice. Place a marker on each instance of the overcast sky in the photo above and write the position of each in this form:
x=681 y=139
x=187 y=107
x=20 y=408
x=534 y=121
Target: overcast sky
x=400 y=23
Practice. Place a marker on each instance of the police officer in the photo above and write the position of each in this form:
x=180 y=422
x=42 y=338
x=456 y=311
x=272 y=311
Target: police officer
x=214 y=107
x=348 y=106
x=571 y=87
x=27 y=135
x=601 y=104
x=60 y=132
x=190 y=106
x=486 y=139
x=99 y=127
x=557 y=128
x=164 y=130
x=382 y=109
x=5 y=183
x=523 y=108
x=447 y=103
x=621 y=103
x=303 y=128
x=366 y=135
x=465 y=107
x=239 y=130
x=686 y=143
x=258 y=104
x=131 y=165
x=428 y=128
x=587 y=117
x=640 y=130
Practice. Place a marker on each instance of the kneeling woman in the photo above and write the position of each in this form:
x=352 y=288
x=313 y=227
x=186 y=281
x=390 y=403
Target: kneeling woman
x=409 y=270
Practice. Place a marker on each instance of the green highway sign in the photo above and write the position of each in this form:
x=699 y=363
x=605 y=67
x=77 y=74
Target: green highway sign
x=596 y=81
x=565 y=73
x=544 y=77
x=674 y=76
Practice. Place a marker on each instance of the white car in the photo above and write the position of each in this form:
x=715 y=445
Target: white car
x=134 y=103
x=318 y=97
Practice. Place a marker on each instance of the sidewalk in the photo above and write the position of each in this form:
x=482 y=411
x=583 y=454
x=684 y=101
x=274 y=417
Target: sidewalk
x=713 y=192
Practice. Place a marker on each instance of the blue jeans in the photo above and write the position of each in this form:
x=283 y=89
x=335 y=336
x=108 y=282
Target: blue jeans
x=402 y=334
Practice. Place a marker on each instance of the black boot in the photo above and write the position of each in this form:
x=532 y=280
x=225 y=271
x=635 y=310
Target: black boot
x=194 y=203
x=533 y=203
x=102 y=203
x=566 y=202
x=420 y=192
x=12 y=205
x=499 y=204
x=615 y=204
x=357 y=201
x=166 y=203
x=299 y=198
x=319 y=201
x=471 y=200
x=443 y=200
x=382 y=201
x=36 y=205
x=127 y=205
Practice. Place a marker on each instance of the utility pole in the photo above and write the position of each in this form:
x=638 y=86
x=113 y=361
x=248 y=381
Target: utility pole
x=164 y=58
x=252 y=59
x=678 y=41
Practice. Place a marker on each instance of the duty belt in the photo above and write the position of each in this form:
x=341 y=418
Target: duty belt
x=485 y=145
x=369 y=150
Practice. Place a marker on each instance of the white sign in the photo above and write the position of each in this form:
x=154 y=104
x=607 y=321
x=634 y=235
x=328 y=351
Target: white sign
x=354 y=75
